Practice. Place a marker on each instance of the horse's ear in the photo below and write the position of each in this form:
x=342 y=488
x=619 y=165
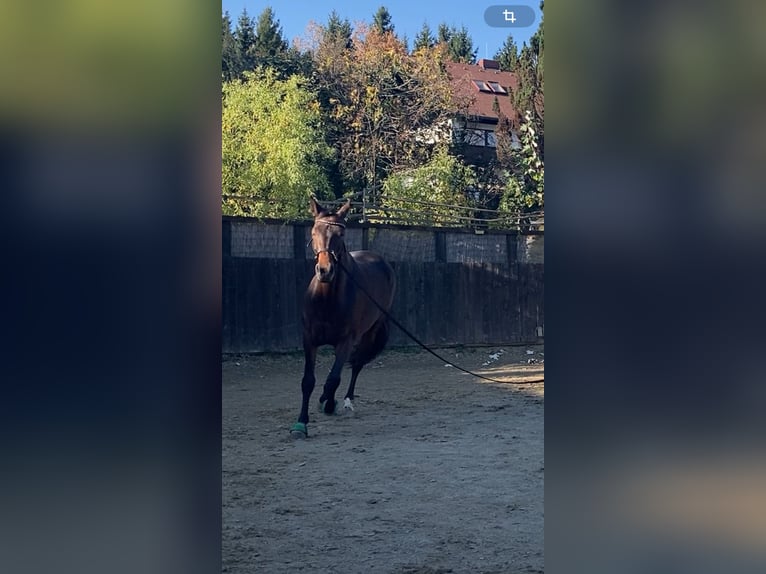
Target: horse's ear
x=315 y=206
x=344 y=209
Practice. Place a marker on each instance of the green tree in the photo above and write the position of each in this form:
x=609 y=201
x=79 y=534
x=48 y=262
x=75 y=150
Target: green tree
x=461 y=46
x=273 y=150
x=338 y=31
x=526 y=178
x=294 y=62
x=262 y=44
x=520 y=166
x=458 y=43
x=230 y=63
x=268 y=43
x=381 y=21
x=424 y=39
x=508 y=55
x=244 y=36
x=444 y=179
x=443 y=34
x=523 y=95
x=538 y=46
x=528 y=95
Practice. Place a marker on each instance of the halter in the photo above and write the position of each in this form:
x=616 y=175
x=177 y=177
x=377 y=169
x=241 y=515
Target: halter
x=332 y=253
x=335 y=223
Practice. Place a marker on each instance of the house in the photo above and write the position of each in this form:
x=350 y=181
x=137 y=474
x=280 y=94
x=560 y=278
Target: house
x=483 y=91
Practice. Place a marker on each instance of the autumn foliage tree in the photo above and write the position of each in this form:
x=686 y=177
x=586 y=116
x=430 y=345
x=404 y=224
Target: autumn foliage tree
x=382 y=104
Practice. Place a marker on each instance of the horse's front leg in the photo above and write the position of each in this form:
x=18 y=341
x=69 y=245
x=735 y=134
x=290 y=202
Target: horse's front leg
x=300 y=429
x=327 y=400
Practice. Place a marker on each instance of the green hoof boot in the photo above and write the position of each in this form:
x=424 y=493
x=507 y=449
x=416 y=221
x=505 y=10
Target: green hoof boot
x=299 y=430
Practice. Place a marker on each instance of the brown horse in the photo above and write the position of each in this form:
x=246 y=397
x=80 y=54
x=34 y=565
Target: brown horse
x=338 y=312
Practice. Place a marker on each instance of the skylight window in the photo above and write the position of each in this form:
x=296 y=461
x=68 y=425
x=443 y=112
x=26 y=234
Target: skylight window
x=497 y=88
x=482 y=86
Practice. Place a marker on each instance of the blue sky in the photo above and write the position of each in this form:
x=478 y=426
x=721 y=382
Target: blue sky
x=407 y=16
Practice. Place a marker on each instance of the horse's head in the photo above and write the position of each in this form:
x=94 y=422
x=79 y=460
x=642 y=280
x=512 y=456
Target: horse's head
x=327 y=239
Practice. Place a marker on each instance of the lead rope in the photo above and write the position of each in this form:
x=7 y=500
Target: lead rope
x=414 y=338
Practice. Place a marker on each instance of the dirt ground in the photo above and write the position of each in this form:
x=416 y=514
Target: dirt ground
x=435 y=471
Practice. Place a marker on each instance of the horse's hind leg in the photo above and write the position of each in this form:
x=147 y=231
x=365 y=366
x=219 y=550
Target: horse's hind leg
x=327 y=400
x=369 y=347
x=348 y=401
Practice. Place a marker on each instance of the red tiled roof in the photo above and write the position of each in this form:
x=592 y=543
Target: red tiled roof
x=481 y=103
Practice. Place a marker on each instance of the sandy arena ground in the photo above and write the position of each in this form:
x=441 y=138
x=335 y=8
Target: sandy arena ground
x=435 y=472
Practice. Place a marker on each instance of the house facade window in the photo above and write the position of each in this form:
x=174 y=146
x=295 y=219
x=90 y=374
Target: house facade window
x=477 y=134
x=478 y=137
x=475 y=137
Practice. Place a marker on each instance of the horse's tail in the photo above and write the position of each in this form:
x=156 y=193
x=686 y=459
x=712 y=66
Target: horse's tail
x=372 y=343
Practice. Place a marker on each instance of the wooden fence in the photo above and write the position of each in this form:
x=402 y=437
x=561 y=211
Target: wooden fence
x=453 y=287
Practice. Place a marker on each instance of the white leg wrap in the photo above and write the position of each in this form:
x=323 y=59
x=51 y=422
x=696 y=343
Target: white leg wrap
x=347 y=404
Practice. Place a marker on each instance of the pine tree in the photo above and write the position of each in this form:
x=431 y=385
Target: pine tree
x=244 y=37
x=230 y=64
x=508 y=55
x=529 y=71
x=538 y=46
x=525 y=186
x=461 y=46
x=268 y=37
x=522 y=96
x=459 y=43
x=443 y=34
x=424 y=39
x=381 y=21
x=338 y=30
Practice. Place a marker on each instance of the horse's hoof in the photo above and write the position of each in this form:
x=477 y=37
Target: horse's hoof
x=348 y=405
x=327 y=408
x=299 y=430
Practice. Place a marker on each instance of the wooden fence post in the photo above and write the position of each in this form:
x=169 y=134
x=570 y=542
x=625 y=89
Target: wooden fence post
x=512 y=249
x=440 y=246
x=226 y=238
x=299 y=241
